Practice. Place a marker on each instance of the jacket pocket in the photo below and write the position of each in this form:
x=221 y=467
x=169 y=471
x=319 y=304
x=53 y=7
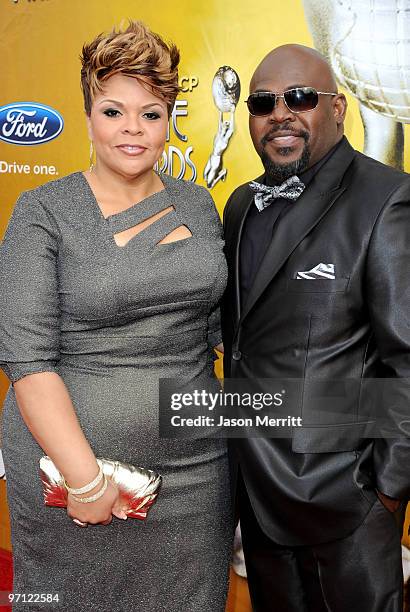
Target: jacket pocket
x=331 y=438
x=302 y=285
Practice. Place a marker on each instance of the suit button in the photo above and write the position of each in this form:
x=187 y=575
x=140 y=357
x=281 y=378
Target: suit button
x=236 y=355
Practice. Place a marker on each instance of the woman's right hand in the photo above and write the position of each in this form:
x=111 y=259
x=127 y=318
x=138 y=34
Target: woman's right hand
x=48 y=412
x=99 y=511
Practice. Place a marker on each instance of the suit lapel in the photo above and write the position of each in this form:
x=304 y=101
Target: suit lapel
x=233 y=241
x=233 y=237
x=312 y=205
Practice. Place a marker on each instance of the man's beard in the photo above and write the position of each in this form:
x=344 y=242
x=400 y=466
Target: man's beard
x=279 y=173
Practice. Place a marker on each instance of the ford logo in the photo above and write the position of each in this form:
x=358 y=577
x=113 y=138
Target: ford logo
x=29 y=123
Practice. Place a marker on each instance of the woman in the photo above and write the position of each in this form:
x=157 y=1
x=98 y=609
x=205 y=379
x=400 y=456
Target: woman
x=111 y=279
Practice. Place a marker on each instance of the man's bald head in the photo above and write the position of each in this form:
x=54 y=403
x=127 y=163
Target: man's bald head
x=292 y=57
x=289 y=142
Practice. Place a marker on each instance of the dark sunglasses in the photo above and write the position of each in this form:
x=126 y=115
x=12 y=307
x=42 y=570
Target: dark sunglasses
x=298 y=100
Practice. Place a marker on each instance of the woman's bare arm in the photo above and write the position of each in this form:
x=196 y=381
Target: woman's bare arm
x=48 y=412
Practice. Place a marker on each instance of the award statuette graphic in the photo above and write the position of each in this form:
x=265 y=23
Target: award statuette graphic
x=368 y=45
x=226 y=89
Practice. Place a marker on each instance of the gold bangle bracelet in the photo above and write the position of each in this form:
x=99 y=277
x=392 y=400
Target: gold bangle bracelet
x=92 y=498
x=88 y=487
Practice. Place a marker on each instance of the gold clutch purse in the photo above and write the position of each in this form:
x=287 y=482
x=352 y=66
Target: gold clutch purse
x=138 y=488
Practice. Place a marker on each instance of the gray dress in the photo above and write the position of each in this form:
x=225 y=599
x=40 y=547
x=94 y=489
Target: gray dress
x=111 y=321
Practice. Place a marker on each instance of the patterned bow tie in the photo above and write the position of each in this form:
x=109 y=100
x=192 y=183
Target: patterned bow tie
x=291 y=189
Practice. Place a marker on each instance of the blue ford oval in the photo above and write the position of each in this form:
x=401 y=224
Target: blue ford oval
x=29 y=123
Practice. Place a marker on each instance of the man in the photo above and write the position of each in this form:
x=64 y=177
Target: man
x=318 y=250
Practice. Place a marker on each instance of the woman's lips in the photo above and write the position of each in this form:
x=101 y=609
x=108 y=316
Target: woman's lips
x=131 y=150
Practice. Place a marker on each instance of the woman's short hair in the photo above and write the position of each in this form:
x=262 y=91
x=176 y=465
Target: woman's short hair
x=136 y=52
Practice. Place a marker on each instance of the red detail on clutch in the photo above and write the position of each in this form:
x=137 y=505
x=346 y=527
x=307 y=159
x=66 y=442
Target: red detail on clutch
x=138 y=488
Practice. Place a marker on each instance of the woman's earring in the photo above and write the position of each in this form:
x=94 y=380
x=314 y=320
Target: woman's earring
x=91 y=156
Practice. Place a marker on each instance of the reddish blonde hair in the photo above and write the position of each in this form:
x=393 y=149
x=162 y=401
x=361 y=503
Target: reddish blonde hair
x=135 y=52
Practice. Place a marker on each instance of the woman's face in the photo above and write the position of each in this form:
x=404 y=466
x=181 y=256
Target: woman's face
x=128 y=126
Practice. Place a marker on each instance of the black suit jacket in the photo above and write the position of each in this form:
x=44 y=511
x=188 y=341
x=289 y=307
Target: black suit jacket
x=320 y=484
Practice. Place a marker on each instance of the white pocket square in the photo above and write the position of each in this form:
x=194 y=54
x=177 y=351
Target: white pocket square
x=322 y=270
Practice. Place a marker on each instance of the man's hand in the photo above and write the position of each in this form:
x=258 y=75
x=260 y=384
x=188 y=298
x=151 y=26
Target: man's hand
x=389 y=503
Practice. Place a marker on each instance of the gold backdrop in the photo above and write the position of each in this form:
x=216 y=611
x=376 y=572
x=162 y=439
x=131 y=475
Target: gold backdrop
x=40 y=42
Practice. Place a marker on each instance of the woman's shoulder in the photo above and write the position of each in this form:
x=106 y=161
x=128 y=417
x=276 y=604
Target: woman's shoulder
x=182 y=186
x=195 y=200
x=57 y=200
x=188 y=191
x=52 y=205
x=62 y=187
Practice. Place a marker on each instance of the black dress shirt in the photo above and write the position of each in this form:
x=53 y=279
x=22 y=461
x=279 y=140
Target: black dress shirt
x=259 y=228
